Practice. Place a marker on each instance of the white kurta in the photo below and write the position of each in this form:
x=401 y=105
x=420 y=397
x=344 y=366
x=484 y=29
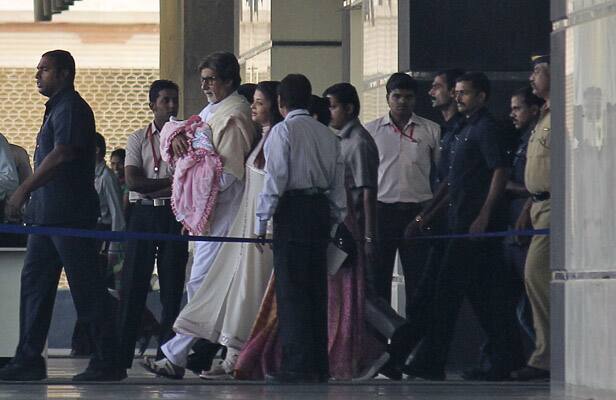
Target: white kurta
x=233 y=148
x=225 y=306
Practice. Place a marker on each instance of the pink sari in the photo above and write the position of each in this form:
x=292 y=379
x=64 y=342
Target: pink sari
x=350 y=349
x=196 y=177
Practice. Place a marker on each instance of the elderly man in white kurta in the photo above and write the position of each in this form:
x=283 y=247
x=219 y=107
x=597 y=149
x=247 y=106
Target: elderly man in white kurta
x=228 y=114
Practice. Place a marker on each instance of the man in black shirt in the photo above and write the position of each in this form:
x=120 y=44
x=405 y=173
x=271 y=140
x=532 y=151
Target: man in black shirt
x=62 y=193
x=475 y=182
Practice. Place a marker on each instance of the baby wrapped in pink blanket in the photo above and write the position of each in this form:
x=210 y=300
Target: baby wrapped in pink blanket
x=197 y=175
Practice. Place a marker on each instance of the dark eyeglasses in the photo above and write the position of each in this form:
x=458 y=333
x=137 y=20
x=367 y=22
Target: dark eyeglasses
x=208 y=80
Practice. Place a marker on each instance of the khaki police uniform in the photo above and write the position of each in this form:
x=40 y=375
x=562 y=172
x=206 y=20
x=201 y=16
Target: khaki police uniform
x=537 y=272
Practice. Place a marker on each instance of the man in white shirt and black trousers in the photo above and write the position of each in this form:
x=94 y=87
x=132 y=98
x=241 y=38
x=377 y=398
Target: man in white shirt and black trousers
x=304 y=193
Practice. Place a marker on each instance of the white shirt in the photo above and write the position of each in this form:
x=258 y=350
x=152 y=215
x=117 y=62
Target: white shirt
x=141 y=152
x=9 y=180
x=301 y=153
x=405 y=158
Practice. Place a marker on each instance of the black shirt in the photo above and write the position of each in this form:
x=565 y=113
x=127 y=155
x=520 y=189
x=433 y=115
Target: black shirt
x=476 y=150
x=69 y=198
x=448 y=129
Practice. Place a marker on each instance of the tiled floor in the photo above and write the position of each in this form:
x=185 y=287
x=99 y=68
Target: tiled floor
x=142 y=385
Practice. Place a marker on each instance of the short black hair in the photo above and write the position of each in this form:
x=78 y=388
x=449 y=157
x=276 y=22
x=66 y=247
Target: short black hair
x=320 y=107
x=101 y=145
x=295 y=92
x=161 y=84
x=119 y=153
x=344 y=93
x=248 y=91
x=225 y=65
x=527 y=95
x=400 y=80
x=450 y=76
x=270 y=90
x=479 y=80
x=63 y=61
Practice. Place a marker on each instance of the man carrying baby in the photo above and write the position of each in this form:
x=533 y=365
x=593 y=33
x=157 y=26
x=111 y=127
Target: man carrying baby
x=228 y=114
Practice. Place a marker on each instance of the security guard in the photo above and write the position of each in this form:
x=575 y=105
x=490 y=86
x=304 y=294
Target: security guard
x=537 y=209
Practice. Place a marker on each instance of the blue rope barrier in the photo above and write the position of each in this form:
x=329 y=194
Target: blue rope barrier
x=524 y=232
x=119 y=236
x=124 y=236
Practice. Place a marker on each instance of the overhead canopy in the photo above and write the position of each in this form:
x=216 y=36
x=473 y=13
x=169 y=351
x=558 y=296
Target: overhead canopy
x=44 y=9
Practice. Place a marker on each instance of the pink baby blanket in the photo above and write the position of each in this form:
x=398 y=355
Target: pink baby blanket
x=197 y=175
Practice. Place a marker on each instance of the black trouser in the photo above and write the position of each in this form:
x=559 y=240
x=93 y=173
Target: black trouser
x=171 y=258
x=301 y=235
x=475 y=268
x=81 y=342
x=392 y=220
x=419 y=315
x=45 y=257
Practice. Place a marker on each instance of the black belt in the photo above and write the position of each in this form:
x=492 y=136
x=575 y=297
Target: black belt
x=402 y=206
x=304 y=192
x=153 y=202
x=540 y=196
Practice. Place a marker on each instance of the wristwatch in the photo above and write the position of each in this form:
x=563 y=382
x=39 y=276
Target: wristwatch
x=418 y=218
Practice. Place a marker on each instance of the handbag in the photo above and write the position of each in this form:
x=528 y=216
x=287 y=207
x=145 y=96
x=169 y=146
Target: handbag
x=343 y=239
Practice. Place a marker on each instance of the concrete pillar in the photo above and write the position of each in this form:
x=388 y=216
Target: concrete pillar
x=306 y=38
x=583 y=223
x=353 y=44
x=279 y=37
x=189 y=31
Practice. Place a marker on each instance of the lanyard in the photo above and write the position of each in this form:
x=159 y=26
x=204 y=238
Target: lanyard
x=158 y=159
x=402 y=134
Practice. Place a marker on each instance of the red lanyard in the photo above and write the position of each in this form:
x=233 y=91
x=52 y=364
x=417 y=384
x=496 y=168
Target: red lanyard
x=410 y=135
x=158 y=159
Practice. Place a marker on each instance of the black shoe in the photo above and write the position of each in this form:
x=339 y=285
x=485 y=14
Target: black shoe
x=490 y=375
x=20 y=372
x=415 y=372
x=473 y=374
x=529 y=373
x=294 y=378
x=101 y=375
x=204 y=353
x=391 y=371
x=80 y=354
x=142 y=344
